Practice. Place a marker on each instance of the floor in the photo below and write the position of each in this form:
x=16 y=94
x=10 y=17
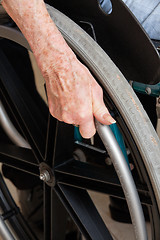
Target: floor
x=120 y=231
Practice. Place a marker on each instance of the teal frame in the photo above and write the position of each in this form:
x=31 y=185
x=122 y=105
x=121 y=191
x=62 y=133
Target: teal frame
x=152 y=90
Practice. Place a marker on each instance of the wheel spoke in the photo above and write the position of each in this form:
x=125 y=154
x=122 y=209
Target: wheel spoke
x=60 y=143
x=87 y=176
x=47 y=211
x=55 y=216
x=51 y=140
x=81 y=208
x=24 y=109
x=58 y=219
x=19 y=158
x=11 y=212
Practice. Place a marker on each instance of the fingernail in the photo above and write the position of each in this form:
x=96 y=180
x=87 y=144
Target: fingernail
x=108 y=117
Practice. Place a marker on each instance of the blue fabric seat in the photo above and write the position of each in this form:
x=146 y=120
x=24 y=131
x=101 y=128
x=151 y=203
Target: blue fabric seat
x=146 y=11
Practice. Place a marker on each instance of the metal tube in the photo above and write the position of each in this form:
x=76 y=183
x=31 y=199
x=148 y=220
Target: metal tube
x=4 y=231
x=10 y=130
x=126 y=180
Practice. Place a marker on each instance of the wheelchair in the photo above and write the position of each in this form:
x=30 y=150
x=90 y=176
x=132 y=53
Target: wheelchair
x=70 y=167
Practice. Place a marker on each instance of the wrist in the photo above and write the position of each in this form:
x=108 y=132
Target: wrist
x=33 y=20
x=45 y=40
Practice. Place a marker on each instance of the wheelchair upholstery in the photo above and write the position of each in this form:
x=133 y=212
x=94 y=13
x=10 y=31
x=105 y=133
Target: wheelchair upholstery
x=120 y=35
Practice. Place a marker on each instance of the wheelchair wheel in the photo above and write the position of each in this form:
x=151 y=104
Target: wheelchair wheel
x=52 y=146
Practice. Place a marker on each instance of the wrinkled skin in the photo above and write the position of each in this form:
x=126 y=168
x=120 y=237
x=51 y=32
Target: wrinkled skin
x=73 y=94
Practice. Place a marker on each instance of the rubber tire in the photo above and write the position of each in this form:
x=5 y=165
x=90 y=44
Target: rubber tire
x=120 y=92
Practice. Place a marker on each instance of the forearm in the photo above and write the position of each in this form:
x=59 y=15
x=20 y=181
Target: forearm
x=73 y=94
x=35 y=23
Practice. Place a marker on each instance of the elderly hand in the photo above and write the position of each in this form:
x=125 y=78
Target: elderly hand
x=73 y=94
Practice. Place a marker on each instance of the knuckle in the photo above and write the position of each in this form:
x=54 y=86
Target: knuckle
x=82 y=116
x=67 y=118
